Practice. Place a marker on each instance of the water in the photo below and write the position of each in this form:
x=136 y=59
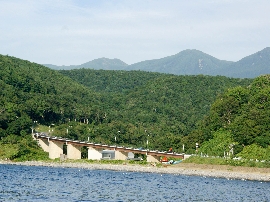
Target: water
x=26 y=183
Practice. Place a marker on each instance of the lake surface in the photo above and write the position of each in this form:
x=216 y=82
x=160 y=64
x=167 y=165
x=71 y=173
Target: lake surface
x=29 y=183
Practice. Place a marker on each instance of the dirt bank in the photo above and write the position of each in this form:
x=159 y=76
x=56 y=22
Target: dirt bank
x=222 y=168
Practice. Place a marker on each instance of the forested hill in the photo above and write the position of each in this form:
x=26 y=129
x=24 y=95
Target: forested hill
x=101 y=63
x=189 y=62
x=33 y=92
x=111 y=80
x=167 y=106
x=164 y=108
x=241 y=117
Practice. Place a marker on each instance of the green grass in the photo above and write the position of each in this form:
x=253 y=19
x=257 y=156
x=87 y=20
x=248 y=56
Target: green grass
x=8 y=151
x=224 y=161
x=42 y=128
x=113 y=162
x=18 y=148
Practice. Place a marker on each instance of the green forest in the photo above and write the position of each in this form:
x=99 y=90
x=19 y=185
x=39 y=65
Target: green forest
x=130 y=107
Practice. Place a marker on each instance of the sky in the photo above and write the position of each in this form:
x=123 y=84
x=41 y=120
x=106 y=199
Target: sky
x=72 y=32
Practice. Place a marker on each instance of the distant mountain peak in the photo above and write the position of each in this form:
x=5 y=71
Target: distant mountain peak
x=100 y=63
x=188 y=62
x=104 y=62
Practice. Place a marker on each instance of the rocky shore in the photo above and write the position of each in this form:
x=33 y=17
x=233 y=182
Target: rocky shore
x=228 y=172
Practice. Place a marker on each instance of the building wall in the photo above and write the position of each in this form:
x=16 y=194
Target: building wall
x=94 y=154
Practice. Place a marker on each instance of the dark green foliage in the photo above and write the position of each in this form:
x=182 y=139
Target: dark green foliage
x=163 y=109
x=31 y=92
x=242 y=112
x=167 y=107
x=19 y=148
x=110 y=81
x=21 y=126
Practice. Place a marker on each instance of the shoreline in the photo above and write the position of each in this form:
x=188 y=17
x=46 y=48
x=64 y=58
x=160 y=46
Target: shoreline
x=215 y=171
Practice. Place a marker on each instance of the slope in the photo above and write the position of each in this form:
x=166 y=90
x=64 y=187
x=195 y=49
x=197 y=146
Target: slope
x=33 y=92
x=166 y=106
x=241 y=113
x=101 y=63
x=188 y=62
x=249 y=67
x=110 y=80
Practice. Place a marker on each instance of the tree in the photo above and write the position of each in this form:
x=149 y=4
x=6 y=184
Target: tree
x=254 y=152
x=222 y=143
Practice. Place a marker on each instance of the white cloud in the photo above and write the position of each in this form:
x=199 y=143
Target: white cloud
x=74 y=32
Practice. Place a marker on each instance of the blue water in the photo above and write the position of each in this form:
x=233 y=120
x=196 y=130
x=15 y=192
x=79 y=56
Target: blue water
x=26 y=183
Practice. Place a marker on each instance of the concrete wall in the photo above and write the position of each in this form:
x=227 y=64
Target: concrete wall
x=44 y=144
x=73 y=151
x=55 y=149
x=153 y=158
x=120 y=155
x=63 y=157
x=94 y=154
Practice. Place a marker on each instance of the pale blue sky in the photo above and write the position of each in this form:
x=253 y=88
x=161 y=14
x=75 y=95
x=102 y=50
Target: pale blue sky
x=66 y=32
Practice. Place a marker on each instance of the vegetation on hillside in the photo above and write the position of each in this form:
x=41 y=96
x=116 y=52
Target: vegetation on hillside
x=33 y=92
x=240 y=117
x=159 y=107
x=101 y=63
x=19 y=148
x=110 y=81
x=129 y=108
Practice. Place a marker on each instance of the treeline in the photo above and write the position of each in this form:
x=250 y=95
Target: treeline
x=160 y=108
x=32 y=92
x=115 y=81
x=126 y=107
x=240 y=117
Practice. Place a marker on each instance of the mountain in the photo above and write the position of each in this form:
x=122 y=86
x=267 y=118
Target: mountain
x=188 y=62
x=101 y=63
x=249 y=67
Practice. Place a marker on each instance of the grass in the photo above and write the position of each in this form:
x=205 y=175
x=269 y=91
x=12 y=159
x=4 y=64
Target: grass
x=113 y=162
x=7 y=151
x=21 y=149
x=227 y=161
x=42 y=128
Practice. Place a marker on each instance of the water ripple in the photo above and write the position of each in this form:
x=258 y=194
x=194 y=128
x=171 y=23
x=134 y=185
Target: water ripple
x=22 y=183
